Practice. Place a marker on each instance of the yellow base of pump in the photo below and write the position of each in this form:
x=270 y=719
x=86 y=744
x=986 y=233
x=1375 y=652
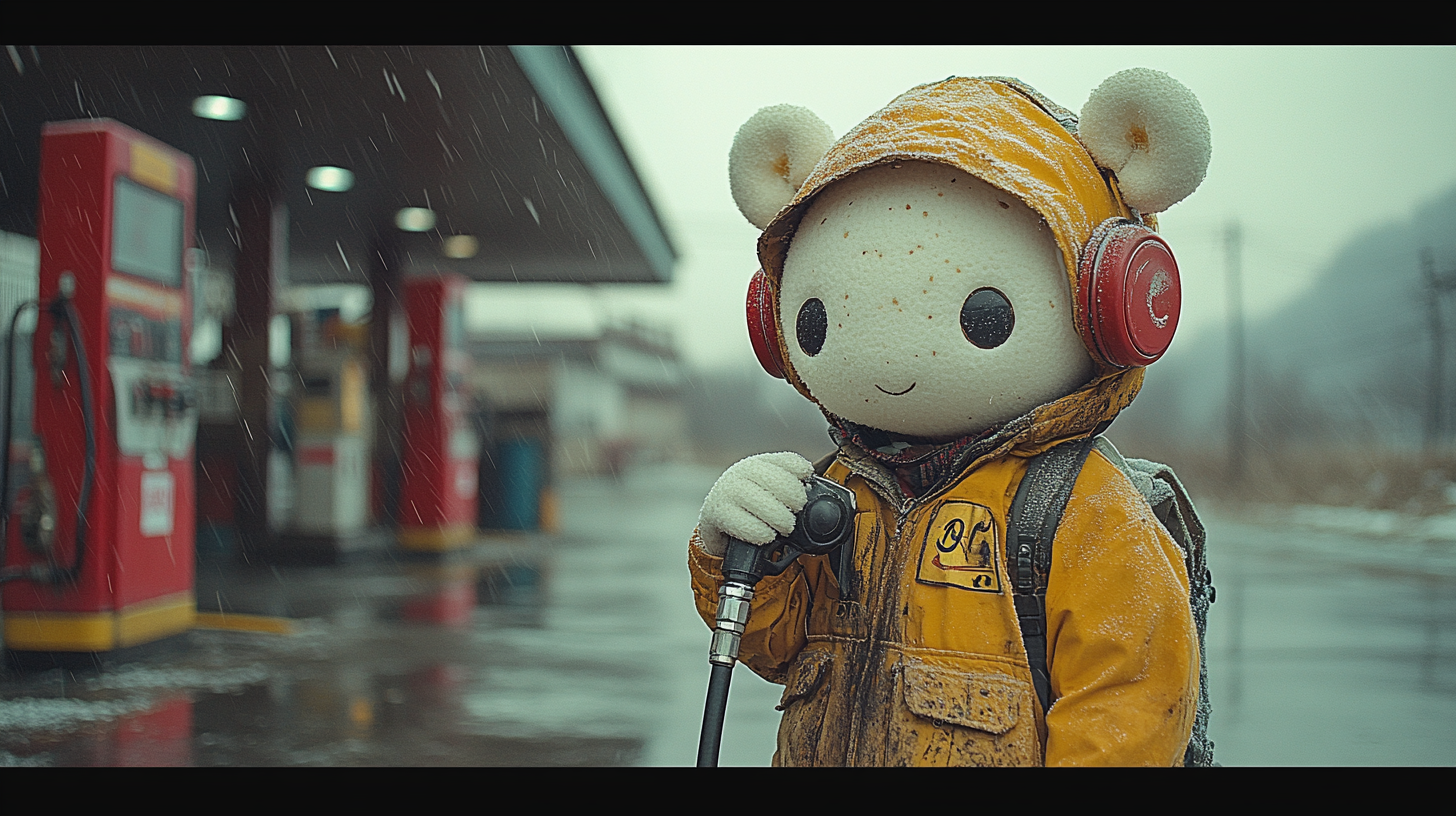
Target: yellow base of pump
x=100 y=631
x=436 y=539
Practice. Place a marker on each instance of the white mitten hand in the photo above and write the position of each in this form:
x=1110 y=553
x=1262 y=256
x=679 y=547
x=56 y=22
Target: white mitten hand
x=754 y=501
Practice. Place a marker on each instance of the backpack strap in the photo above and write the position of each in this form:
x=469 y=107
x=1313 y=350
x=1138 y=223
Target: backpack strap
x=1036 y=511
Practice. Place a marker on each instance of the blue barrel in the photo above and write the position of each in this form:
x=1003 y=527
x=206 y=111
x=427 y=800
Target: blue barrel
x=522 y=469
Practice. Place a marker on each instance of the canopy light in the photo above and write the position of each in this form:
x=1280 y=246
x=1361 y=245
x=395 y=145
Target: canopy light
x=330 y=179
x=461 y=246
x=221 y=108
x=415 y=219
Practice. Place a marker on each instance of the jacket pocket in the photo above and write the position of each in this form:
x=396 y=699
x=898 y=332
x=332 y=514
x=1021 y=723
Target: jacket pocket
x=953 y=717
x=805 y=700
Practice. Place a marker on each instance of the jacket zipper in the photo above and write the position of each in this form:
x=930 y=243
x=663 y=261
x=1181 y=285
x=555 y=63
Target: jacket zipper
x=888 y=572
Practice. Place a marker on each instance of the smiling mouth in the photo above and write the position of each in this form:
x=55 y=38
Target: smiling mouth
x=897 y=393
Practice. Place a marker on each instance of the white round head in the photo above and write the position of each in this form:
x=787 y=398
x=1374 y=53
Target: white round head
x=920 y=300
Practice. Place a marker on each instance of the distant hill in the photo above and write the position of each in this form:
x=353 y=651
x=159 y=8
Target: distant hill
x=1346 y=364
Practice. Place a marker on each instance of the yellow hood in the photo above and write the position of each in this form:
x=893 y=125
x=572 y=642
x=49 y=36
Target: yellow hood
x=1008 y=135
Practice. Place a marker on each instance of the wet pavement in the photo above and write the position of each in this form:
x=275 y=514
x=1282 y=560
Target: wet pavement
x=583 y=648
x=1330 y=649
x=580 y=648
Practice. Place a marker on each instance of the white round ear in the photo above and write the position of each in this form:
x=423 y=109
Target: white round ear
x=771 y=156
x=1149 y=129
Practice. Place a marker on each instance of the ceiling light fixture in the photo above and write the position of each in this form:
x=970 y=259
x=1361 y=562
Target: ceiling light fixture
x=221 y=108
x=330 y=179
x=415 y=219
x=461 y=246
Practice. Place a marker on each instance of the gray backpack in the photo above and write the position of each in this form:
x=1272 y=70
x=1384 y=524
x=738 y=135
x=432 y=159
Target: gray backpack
x=1035 y=513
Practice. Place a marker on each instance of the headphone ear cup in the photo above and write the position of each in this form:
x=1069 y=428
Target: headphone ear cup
x=1128 y=293
x=763 y=331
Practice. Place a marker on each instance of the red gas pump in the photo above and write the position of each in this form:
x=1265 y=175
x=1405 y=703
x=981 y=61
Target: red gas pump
x=439 y=465
x=100 y=546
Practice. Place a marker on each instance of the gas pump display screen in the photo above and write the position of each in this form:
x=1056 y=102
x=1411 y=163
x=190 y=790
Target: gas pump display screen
x=146 y=233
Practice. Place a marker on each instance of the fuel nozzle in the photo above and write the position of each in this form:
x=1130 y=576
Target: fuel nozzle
x=37 y=509
x=825 y=523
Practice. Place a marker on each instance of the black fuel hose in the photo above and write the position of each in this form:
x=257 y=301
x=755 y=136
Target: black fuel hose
x=6 y=436
x=62 y=309
x=716 y=709
x=65 y=309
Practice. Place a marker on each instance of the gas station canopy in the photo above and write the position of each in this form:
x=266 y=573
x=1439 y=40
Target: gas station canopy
x=497 y=163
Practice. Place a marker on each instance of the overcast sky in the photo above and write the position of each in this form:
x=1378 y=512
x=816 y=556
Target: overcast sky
x=1310 y=146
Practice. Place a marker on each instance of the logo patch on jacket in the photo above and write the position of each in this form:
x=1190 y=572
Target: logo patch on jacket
x=960 y=548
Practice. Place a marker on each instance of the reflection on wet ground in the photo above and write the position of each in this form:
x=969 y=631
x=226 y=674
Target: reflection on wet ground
x=528 y=650
x=583 y=648
x=1330 y=649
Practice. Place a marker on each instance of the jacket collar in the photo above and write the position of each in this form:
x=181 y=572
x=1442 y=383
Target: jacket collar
x=1082 y=413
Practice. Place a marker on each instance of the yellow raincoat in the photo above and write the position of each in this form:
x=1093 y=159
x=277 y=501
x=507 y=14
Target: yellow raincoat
x=919 y=660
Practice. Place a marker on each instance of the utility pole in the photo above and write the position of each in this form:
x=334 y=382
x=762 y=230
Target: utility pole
x=1237 y=422
x=1436 y=284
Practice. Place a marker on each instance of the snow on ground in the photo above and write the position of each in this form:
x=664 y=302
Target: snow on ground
x=1383 y=539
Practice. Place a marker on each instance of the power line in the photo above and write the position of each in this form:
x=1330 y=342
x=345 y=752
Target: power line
x=1437 y=284
x=1237 y=430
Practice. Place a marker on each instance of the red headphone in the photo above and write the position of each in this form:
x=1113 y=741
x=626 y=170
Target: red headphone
x=1128 y=299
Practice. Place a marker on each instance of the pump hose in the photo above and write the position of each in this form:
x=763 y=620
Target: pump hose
x=62 y=309
x=713 y=713
x=88 y=471
x=5 y=439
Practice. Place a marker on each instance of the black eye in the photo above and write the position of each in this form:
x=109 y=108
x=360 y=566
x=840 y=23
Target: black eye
x=986 y=318
x=812 y=324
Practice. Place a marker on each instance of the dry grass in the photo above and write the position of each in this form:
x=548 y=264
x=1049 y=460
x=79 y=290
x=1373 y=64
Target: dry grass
x=1308 y=474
